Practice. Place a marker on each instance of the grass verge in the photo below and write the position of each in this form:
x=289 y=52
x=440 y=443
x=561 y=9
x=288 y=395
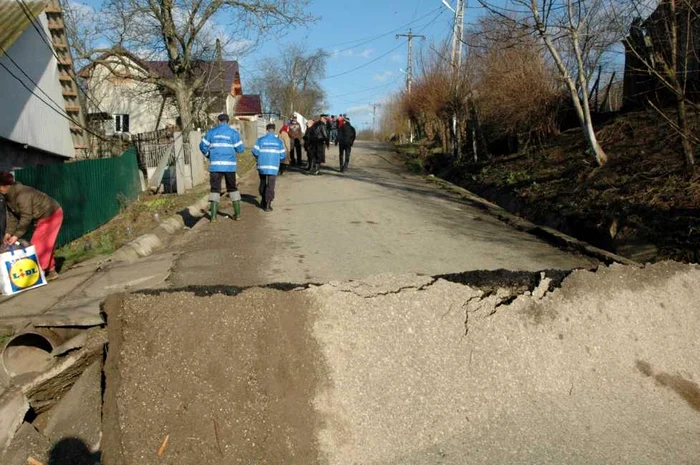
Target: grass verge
x=135 y=220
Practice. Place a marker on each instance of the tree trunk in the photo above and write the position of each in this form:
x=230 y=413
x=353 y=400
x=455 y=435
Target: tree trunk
x=581 y=106
x=583 y=111
x=183 y=98
x=685 y=134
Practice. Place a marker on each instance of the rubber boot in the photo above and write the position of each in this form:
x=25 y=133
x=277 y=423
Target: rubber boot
x=236 y=210
x=213 y=209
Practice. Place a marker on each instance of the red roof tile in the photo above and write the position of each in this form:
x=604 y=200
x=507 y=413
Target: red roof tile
x=216 y=82
x=249 y=105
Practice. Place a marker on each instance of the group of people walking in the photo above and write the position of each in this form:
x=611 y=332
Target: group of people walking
x=273 y=152
x=317 y=138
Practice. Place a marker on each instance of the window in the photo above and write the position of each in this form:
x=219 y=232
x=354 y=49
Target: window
x=121 y=123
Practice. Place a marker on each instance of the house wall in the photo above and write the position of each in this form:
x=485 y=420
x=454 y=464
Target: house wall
x=142 y=102
x=25 y=119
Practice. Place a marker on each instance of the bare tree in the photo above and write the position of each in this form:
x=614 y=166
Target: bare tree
x=292 y=82
x=181 y=32
x=576 y=33
x=662 y=58
x=517 y=90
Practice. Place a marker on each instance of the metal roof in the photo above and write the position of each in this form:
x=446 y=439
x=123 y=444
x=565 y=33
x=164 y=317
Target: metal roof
x=15 y=19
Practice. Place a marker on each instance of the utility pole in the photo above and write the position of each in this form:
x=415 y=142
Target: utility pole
x=409 y=66
x=409 y=70
x=458 y=35
x=374 y=117
x=456 y=62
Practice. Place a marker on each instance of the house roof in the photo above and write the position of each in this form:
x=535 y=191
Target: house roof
x=249 y=105
x=218 y=80
x=14 y=20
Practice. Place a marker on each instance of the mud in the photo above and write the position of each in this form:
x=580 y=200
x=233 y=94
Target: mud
x=227 y=379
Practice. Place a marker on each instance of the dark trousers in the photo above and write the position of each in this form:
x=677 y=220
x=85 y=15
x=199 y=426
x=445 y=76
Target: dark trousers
x=215 y=182
x=344 y=156
x=310 y=156
x=296 y=149
x=267 y=188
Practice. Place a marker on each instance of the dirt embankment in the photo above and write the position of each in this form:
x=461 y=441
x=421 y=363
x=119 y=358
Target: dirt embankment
x=226 y=379
x=641 y=205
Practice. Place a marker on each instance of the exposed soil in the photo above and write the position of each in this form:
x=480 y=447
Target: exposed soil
x=228 y=379
x=642 y=204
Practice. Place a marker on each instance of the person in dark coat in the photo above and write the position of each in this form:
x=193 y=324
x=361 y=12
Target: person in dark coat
x=25 y=207
x=319 y=142
x=308 y=146
x=346 y=137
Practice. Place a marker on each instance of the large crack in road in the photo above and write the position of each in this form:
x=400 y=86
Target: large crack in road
x=556 y=367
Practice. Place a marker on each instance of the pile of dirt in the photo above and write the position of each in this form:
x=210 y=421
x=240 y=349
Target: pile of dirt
x=226 y=379
x=642 y=204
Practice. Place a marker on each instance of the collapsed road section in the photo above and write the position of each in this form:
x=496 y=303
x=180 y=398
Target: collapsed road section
x=496 y=367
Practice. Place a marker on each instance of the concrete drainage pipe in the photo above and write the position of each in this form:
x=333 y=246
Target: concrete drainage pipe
x=29 y=351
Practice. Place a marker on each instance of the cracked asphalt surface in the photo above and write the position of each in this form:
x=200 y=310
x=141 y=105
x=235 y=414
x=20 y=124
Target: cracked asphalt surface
x=383 y=362
x=375 y=218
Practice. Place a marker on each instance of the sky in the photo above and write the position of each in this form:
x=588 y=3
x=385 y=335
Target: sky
x=367 y=61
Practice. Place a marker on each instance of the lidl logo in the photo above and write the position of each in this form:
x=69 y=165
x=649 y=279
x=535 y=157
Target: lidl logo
x=24 y=273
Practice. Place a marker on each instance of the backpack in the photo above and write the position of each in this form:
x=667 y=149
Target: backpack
x=318 y=132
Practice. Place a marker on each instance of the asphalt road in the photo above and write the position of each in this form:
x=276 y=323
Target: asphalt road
x=375 y=218
x=399 y=367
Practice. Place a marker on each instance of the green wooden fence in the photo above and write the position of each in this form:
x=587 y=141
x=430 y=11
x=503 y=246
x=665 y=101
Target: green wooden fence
x=91 y=192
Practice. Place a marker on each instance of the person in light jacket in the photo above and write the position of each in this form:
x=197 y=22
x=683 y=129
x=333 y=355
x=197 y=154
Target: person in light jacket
x=284 y=137
x=220 y=145
x=269 y=151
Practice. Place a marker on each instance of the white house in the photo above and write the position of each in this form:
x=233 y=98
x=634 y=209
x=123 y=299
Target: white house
x=41 y=118
x=135 y=107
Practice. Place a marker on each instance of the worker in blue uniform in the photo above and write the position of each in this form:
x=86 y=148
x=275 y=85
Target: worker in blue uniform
x=269 y=151
x=220 y=145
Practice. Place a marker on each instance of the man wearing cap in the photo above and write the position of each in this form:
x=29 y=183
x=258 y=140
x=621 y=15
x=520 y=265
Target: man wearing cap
x=25 y=206
x=220 y=145
x=269 y=152
x=296 y=133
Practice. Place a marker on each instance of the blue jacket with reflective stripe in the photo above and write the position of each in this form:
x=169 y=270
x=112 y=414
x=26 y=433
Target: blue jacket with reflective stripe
x=220 y=145
x=269 y=151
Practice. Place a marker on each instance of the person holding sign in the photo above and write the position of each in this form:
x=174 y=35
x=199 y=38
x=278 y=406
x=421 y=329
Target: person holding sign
x=26 y=205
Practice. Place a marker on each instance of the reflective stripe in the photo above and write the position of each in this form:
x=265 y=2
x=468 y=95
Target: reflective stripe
x=275 y=151
x=206 y=142
x=222 y=137
x=269 y=167
x=221 y=144
x=224 y=163
x=255 y=147
x=239 y=143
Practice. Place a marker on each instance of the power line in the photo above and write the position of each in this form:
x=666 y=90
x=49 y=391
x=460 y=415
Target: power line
x=381 y=86
x=365 y=41
x=59 y=112
x=372 y=39
x=409 y=68
x=47 y=40
x=364 y=65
